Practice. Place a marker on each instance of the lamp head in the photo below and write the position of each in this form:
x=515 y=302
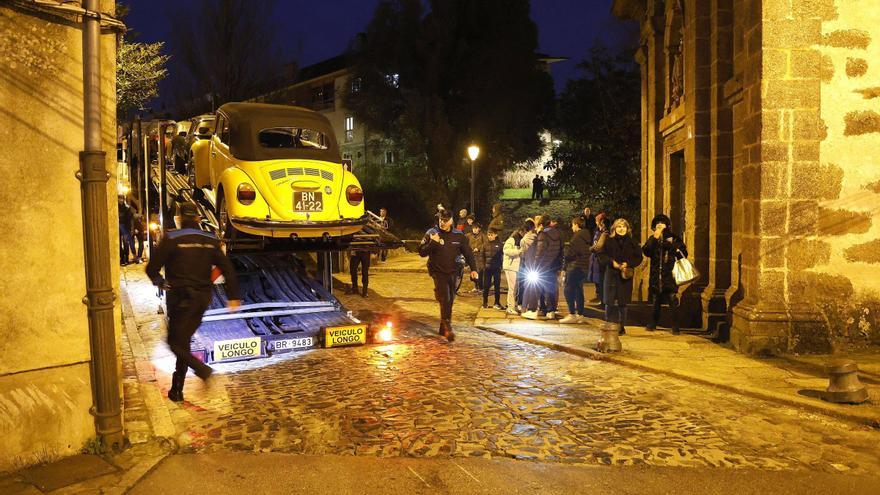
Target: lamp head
x=473 y=151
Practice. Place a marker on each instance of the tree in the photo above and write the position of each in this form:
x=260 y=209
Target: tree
x=599 y=126
x=140 y=67
x=226 y=50
x=466 y=71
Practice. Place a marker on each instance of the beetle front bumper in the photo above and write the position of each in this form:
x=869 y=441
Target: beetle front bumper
x=299 y=228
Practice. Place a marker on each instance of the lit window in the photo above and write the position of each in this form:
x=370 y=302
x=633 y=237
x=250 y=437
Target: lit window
x=389 y=157
x=349 y=129
x=356 y=85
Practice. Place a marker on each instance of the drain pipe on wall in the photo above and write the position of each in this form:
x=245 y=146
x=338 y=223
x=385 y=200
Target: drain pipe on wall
x=99 y=298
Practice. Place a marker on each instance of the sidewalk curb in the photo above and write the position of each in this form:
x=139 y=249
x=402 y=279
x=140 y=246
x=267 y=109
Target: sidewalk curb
x=868 y=420
x=397 y=270
x=161 y=424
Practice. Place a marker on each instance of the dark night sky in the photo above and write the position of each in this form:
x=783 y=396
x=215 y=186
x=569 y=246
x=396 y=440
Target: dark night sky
x=313 y=31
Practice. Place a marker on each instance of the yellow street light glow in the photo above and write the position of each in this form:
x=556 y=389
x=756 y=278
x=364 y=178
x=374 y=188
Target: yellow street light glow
x=386 y=334
x=473 y=152
x=154 y=226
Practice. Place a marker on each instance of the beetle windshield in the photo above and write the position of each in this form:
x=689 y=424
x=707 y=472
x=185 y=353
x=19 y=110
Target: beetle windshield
x=293 y=137
x=205 y=127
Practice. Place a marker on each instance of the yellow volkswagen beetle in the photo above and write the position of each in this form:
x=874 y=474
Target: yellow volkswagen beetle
x=275 y=171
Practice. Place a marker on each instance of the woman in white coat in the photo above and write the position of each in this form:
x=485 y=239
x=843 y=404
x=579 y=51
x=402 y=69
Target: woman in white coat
x=512 y=265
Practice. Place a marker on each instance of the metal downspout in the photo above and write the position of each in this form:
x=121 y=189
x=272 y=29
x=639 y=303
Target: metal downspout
x=99 y=298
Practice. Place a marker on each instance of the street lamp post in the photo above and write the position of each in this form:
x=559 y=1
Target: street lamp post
x=473 y=152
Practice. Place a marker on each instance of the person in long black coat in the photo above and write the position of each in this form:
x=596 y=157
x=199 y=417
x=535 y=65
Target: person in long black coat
x=663 y=247
x=624 y=255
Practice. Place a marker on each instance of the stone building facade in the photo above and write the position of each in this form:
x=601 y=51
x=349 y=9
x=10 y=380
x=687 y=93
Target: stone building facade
x=45 y=378
x=761 y=121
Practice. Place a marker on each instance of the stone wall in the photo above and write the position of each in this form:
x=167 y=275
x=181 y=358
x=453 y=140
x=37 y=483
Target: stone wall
x=45 y=384
x=770 y=109
x=844 y=276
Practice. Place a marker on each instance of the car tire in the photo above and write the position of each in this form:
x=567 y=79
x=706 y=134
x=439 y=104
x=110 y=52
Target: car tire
x=226 y=230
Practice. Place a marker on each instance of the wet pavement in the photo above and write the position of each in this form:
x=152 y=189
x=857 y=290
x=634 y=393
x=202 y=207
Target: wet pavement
x=485 y=396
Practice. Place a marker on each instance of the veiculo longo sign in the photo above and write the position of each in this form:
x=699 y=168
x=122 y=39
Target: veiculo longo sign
x=237 y=349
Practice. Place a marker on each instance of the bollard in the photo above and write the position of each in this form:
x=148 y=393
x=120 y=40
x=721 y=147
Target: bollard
x=609 y=341
x=844 y=385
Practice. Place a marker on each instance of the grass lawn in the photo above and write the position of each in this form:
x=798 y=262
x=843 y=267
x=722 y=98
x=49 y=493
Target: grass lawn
x=524 y=193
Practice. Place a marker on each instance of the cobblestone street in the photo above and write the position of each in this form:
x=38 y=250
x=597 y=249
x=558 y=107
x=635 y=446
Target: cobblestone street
x=483 y=396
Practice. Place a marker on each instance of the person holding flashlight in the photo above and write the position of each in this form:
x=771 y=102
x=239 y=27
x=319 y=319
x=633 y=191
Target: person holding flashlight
x=532 y=277
x=442 y=245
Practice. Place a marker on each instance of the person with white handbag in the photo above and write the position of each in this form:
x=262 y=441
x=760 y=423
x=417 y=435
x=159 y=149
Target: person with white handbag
x=664 y=248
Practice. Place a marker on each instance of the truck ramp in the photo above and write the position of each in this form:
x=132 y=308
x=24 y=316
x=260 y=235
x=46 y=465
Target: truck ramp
x=283 y=309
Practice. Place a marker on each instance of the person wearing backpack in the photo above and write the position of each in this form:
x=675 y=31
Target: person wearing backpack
x=663 y=247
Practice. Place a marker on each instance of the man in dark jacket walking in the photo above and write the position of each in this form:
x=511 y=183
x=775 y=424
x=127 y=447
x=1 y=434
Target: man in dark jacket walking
x=492 y=255
x=663 y=248
x=187 y=254
x=577 y=263
x=442 y=245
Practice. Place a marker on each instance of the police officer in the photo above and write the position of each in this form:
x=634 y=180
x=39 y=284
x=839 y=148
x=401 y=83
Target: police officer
x=187 y=255
x=442 y=245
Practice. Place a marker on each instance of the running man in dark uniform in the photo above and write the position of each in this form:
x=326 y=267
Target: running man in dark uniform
x=442 y=245
x=188 y=255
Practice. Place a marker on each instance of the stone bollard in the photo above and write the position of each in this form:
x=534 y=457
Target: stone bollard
x=844 y=385
x=609 y=341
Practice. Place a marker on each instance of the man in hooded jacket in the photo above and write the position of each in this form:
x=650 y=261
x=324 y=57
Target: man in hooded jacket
x=548 y=257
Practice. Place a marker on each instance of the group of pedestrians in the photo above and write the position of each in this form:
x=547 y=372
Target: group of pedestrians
x=536 y=263
x=535 y=260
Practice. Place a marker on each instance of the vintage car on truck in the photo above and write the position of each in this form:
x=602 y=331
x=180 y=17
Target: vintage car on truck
x=198 y=143
x=275 y=171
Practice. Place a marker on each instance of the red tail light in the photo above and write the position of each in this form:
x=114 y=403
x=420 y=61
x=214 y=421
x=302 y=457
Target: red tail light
x=354 y=195
x=246 y=194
